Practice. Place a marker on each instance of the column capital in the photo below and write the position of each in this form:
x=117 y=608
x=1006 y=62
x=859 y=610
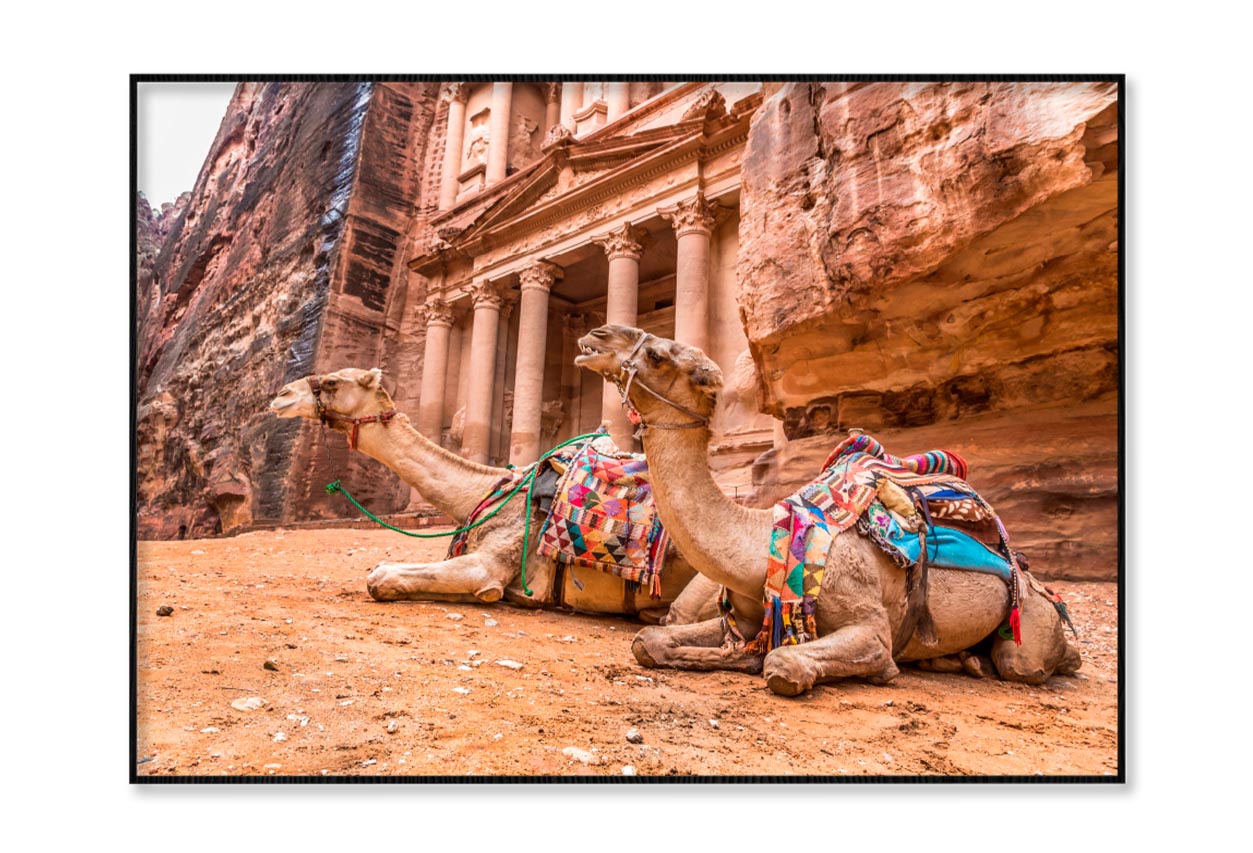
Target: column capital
x=624 y=242
x=455 y=92
x=485 y=295
x=692 y=216
x=541 y=275
x=436 y=312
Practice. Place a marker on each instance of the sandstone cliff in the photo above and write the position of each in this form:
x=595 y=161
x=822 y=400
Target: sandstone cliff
x=278 y=267
x=938 y=263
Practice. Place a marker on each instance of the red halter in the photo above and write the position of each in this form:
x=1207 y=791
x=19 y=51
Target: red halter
x=327 y=416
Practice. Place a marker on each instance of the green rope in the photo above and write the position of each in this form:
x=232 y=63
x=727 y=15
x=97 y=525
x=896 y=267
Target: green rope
x=337 y=486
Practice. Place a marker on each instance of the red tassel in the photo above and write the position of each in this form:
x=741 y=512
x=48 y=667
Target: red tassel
x=1015 y=624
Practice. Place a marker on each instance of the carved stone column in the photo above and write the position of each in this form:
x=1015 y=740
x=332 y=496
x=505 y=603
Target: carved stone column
x=693 y=222
x=500 y=431
x=617 y=99
x=552 y=107
x=434 y=367
x=456 y=95
x=499 y=124
x=477 y=437
x=571 y=100
x=528 y=382
x=624 y=249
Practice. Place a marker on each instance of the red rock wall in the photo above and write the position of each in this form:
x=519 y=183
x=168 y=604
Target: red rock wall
x=276 y=269
x=938 y=263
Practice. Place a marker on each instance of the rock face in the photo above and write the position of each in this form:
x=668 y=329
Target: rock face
x=277 y=268
x=938 y=263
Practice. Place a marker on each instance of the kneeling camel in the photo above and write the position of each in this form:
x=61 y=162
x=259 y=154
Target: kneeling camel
x=673 y=390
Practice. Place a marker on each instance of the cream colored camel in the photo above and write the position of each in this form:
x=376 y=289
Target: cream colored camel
x=862 y=602
x=490 y=569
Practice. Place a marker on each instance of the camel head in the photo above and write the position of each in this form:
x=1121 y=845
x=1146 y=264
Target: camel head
x=671 y=380
x=351 y=392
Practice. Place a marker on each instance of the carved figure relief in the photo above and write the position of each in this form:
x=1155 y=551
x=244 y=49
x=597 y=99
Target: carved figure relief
x=522 y=145
x=480 y=134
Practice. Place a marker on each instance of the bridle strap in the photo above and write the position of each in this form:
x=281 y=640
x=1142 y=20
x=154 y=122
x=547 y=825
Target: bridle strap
x=630 y=370
x=327 y=416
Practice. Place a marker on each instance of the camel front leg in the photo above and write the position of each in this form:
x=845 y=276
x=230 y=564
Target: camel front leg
x=470 y=577
x=854 y=650
x=697 y=646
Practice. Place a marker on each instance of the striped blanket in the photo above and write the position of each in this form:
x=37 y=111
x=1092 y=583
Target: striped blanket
x=862 y=482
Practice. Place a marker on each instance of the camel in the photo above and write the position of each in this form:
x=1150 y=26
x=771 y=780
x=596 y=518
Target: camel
x=491 y=569
x=672 y=390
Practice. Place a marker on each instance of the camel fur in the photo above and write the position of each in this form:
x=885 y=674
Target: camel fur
x=862 y=598
x=491 y=567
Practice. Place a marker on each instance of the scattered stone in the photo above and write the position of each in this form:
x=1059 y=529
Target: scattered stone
x=249 y=703
x=210 y=730
x=347 y=702
x=456 y=617
x=296 y=718
x=580 y=755
x=341 y=659
x=393 y=726
x=271 y=767
x=634 y=736
x=473 y=653
x=715 y=724
x=628 y=770
x=165 y=610
x=270 y=665
x=510 y=664
x=462 y=690
x=369 y=761
x=490 y=623
x=198 y=552
x=279 y=737
x=887 y=758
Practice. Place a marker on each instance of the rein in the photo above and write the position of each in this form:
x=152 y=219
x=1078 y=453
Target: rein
x=327 y=416
x=630 y=371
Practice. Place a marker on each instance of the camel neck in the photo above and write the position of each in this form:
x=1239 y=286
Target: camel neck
x=709 y=528
x=452 y=484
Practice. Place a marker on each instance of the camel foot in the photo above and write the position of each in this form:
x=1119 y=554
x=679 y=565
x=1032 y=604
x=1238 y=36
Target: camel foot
x=977 y=665
x=639 y=648
x=788 y=674
x=494 y=591
x=1071 y=662
x=947 y=663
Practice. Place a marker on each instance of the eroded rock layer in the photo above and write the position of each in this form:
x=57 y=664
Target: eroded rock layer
x=938 y=263
x=275 y=269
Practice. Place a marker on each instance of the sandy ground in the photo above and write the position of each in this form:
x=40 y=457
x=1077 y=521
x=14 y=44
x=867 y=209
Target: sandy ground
x=353 y=687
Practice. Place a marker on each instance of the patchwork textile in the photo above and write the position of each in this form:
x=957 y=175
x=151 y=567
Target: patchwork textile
x=847 y=493
x=603 y=517
x=457 y=546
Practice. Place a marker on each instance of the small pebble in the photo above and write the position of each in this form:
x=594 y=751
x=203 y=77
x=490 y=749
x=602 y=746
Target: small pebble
x=369 y=762
x=249 y=703
x=628 y=770
x=211 y=730
x=511 y=664
x=715 y=724
x=580 y=755
x=634 y=736
x=462 y=690
x=456 y=617
x=490 y=623
x=165 y=610
x=270 y=665
x=279 y=737
x=392 y=727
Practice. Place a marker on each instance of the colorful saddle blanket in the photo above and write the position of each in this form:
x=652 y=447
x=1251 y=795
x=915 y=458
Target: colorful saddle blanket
x=603 y=517
x=862 y=484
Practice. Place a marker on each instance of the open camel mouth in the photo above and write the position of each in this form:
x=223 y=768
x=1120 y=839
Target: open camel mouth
x=588 y=353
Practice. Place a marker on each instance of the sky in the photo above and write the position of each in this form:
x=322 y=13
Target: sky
x=177 y=125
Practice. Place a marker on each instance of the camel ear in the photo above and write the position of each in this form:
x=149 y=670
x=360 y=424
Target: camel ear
x=656 y=353
x=371 y=379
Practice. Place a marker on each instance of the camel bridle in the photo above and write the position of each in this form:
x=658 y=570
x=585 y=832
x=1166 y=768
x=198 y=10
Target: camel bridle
x=628 y=374
x=329 y=416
